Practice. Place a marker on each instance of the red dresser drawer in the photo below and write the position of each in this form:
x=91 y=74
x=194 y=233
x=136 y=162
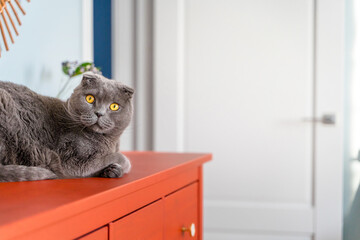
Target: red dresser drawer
x=146 y=223
x=181 y=213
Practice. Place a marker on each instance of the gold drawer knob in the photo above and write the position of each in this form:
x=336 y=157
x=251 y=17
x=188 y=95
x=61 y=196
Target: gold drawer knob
x=191 y=230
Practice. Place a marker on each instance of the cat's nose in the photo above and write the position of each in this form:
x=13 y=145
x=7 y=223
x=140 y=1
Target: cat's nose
x=99 y=114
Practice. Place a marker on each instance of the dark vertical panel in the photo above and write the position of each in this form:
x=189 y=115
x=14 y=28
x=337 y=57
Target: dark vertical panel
x=102 y=36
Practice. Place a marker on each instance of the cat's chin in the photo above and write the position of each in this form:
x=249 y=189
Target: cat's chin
x=98 y=129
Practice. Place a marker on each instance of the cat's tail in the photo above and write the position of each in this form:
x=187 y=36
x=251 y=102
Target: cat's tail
x=18 y=173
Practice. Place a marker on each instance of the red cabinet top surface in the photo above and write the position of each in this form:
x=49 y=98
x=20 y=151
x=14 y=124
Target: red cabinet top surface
x=26 y=202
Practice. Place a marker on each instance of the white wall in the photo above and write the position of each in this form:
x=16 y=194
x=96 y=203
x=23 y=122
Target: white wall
x=52 y=32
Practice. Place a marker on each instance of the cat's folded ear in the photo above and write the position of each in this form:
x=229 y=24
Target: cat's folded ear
x=127 y=91
x=89 y=79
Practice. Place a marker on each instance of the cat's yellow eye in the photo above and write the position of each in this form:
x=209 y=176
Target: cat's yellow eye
x=90 y=98
x=114 y=106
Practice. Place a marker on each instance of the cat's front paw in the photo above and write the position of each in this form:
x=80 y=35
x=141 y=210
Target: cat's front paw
x=114 y=170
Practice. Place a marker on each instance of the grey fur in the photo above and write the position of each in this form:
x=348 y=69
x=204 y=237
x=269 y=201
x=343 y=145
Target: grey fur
x=45 y=138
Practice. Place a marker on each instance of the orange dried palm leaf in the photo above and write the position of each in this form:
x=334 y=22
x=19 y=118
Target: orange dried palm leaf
x=14 y=11
x=11 y=21
x=4 y=22
x=19 y=5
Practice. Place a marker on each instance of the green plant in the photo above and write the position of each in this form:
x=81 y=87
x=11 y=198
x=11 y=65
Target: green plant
x=73 y=69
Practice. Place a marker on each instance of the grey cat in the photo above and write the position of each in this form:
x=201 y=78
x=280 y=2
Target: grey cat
x=46 y=138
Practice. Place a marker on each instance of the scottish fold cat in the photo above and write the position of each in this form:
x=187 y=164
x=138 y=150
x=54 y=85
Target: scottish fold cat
x=45 y=138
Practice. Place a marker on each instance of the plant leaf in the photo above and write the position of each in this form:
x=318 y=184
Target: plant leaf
x=84 y=67
x=65 y=69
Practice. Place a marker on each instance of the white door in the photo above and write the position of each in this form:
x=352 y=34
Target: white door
x=243 y=79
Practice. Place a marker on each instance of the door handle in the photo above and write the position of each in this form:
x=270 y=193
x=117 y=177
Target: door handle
x=190 y=229
x=328 y=119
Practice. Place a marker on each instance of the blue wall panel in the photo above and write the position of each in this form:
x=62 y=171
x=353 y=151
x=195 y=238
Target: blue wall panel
x=102 y=36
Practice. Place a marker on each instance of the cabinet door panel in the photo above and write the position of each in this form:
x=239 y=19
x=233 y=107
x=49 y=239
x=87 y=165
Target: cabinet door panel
x=146 y=223
x=181 y=212
x=101 y=234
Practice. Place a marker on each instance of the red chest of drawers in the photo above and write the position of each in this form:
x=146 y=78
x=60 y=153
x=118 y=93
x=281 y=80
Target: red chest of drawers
x=161 y=198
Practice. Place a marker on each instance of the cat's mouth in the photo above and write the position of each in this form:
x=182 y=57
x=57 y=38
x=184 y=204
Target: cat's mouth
x=96 y=124
x=96 y=127
x=92 y=124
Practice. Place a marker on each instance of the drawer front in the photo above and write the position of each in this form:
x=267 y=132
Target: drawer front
x=100 y=234
x=181 y=213
x=146 y=223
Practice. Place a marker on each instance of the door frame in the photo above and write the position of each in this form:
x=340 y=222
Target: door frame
x=329 y=84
